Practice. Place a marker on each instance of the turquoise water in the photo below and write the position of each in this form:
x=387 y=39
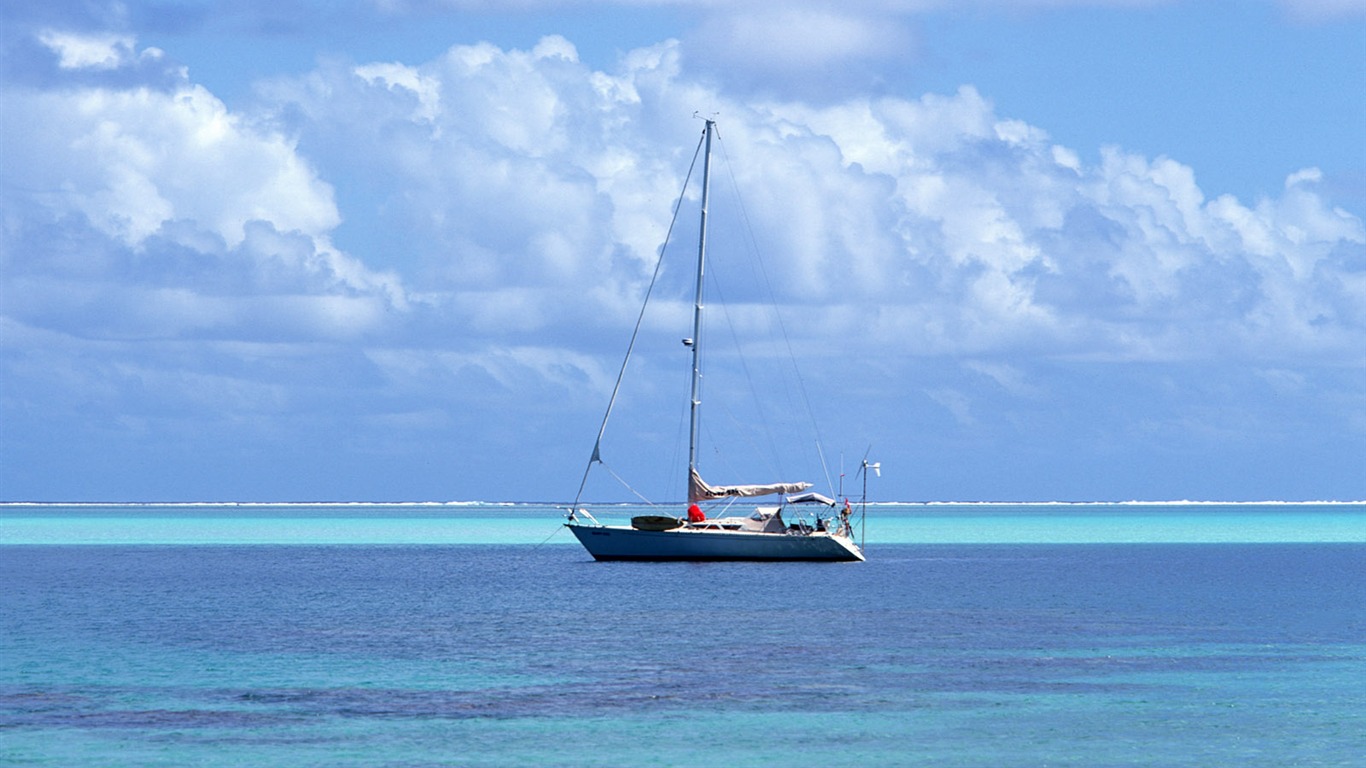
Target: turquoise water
x=537 y=523
x=481 y=635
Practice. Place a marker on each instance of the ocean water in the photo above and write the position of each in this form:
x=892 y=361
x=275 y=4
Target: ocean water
x=417 y=635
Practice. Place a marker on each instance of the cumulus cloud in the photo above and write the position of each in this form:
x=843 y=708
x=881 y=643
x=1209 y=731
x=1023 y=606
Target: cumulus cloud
x=506 y=180
x=522 y=194
x=999 y=231
x=130 y=160
x=506 y=176
x=161 y=213
x=511 y=179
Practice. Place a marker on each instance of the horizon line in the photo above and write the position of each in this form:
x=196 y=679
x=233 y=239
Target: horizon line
x=471 y=503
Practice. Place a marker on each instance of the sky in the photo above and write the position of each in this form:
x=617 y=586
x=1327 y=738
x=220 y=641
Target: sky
x=393 y=250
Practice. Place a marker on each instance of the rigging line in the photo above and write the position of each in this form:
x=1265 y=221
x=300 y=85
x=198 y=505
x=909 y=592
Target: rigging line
x=616 y=388
x=740 y=427
x=766 y=448
x=765 y=416
x=680 y=443
x=777 y=311
x=552 y=535
x=625 y=484
x=765 y=423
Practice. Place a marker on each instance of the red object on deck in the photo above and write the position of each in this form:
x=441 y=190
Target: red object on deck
x=695 y=514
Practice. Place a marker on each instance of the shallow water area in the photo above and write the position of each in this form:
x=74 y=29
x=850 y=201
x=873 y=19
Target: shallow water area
x=479 y=523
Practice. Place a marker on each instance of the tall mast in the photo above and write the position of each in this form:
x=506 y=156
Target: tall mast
x=695 y=407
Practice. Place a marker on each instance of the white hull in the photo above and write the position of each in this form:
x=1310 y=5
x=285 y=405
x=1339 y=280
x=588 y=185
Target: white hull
x=610 y=542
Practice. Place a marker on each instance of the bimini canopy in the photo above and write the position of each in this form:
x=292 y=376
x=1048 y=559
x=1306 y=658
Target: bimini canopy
x=811 y=498
x=698 y=490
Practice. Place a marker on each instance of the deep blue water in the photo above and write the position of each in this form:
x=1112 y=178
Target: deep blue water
x=950 y=654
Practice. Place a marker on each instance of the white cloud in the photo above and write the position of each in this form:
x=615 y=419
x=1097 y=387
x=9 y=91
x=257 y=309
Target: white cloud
x=1016 y=237
x=934 y=223
x=394 y=75
x=523 y=194
x=170 y=212
x=93 y=51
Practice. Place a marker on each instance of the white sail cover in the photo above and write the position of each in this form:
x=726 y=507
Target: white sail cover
x=698 y=490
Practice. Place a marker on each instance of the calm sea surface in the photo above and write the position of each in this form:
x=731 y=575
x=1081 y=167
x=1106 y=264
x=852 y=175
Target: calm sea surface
x=414 y=635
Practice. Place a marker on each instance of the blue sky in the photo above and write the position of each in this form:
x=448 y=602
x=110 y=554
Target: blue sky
x=392 y=250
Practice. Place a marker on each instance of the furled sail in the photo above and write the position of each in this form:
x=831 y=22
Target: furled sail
x=698 y=490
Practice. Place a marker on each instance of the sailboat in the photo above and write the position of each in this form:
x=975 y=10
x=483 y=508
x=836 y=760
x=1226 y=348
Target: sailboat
x=761 y=534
